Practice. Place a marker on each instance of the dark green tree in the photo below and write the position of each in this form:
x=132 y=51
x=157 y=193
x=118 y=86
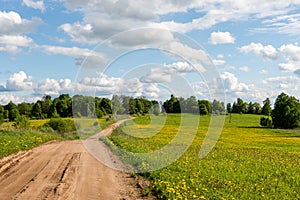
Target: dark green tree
x=266 y=109
x=257 y=108
x=218 y=107
x=25 y=108
x=36 y=111
x=2 y=113
x=228 y=108
x=13 y=111
x=46 y=104
x=105 y=105
x=286 y=113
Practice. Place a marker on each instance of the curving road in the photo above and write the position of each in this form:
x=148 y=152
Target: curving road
x=63 y=170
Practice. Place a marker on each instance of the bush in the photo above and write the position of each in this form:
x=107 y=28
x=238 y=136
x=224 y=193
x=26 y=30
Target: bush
x=266 y=122
x=61 y=126
x=21 y=122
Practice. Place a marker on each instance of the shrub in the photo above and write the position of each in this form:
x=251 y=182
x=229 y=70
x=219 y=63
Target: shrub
x=266 y=122
x=60 y=125
x=21 y=122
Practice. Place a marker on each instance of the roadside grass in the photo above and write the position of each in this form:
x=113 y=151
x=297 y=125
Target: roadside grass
x=14 y=141
x=248 y=162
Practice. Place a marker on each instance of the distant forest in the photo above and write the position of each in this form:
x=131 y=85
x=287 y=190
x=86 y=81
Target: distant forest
x=86 y=106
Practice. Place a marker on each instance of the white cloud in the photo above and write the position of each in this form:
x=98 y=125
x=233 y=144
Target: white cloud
x=198 y=57
x=18 y=82
x=10 y=49
x=244 y=69
x=104 y=18
x=12 y=43
x=6 y=98
x=288 y=84
x=231 y=83
x=39 y=4
x=284 y=24
x=83 y=57
x=220 y=56
x=264 y=71
x=219 y=62
x=158 y=75
x=16 y=40
x=51 y=86
x=12 y=27
x=291 y=52
x=221 y=38
x=267 y=52
x=12 y=23
x=287 y=67
x=165 y=73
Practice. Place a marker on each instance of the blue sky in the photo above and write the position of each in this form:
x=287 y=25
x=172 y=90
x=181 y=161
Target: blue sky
x=246 y=49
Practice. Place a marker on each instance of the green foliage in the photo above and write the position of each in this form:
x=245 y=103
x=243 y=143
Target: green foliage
x=218 y=107
x=286 y=113
x=204 y=107
x=22 y=122
x=36 y=111
x=266 y=109
x=61 y=125
x=2 y=114
x=266 y=122
x=156 y=109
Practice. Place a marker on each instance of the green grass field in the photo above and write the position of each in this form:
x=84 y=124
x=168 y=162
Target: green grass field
x=248 y=162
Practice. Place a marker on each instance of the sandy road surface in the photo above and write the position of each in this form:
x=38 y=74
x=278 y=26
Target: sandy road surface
x=62 y=170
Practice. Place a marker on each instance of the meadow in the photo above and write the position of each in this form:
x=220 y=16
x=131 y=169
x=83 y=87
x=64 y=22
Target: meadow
x=248 y=162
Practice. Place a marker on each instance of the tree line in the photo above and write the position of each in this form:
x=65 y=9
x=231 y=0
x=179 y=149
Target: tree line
x=286 y=112
x=78 y=106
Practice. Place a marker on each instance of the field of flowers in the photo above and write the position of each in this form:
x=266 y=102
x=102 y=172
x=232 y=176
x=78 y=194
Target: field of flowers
x=248 y=162
x=14 y=141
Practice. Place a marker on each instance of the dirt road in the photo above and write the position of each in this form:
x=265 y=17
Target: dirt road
x=62 y=170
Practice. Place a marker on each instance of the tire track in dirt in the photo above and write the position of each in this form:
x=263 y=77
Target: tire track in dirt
x=63 y=170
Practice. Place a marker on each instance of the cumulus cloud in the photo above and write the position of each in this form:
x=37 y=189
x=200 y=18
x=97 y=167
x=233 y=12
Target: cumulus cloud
x=267 y=52
x=287 y=67
x=164 y=73
x=291 y=52
x=35 y=4
x=232 y=84
x=104 y=18
x=198 y=57
x=12 y=23
x=13 y=26
x=18 y=82
x=51 y=86
x=219 y=62
x=244 y=69
x=221 y=38
x=288 y=84
x=12 y=43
